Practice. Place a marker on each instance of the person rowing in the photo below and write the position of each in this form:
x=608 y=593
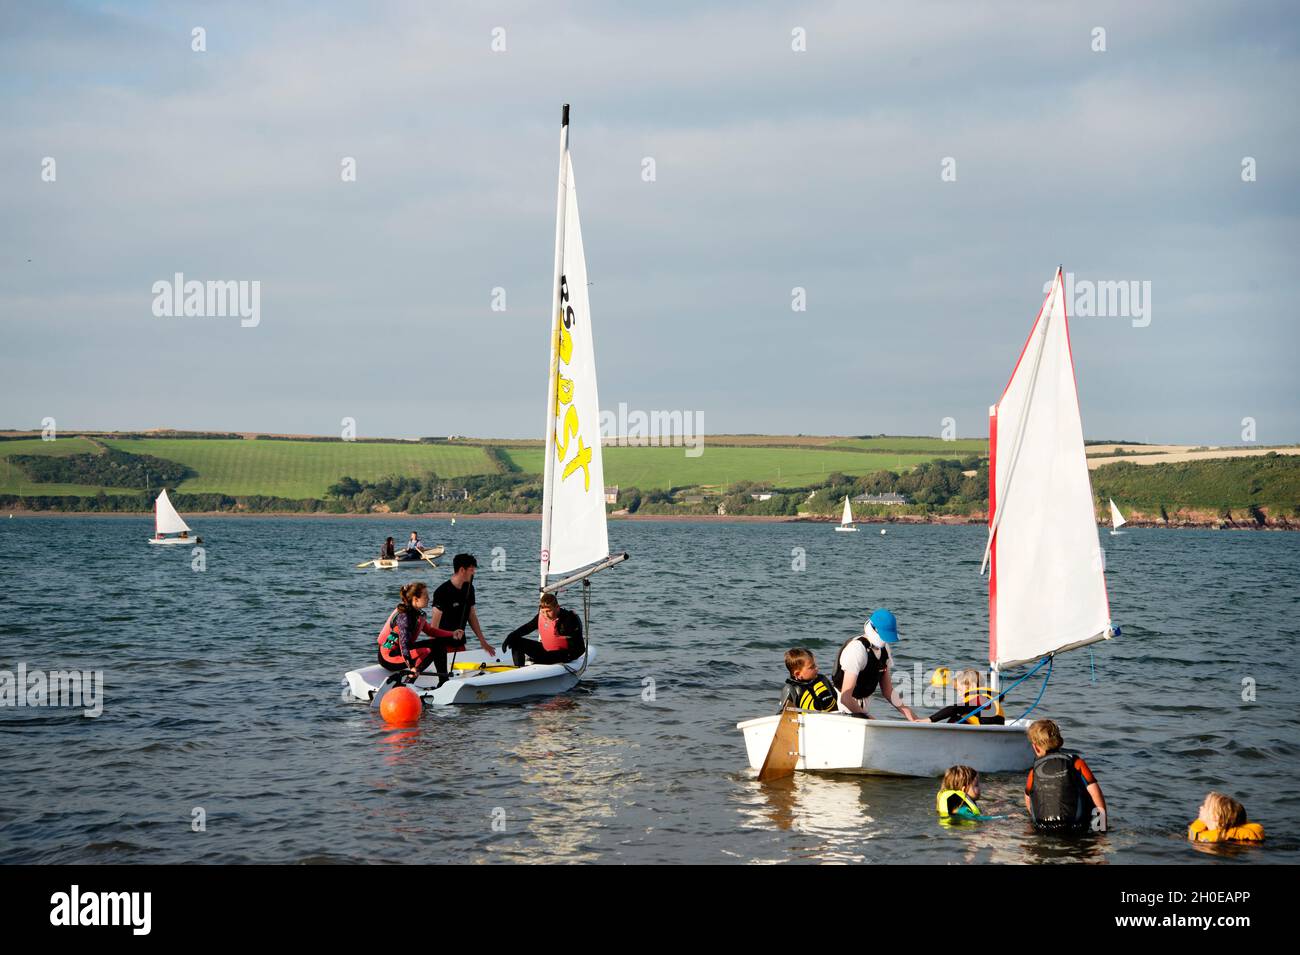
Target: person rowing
x=560 y=631
x=863 y=664
x=400 y=646
x=414 y=548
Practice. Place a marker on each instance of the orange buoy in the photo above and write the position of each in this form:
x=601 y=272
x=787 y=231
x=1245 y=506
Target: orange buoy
x=401 y=706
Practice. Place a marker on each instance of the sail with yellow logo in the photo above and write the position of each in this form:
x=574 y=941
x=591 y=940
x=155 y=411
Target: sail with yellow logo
x=575 y=542
x=574 y=535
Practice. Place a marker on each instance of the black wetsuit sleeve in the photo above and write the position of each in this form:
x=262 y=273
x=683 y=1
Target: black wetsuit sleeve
x=527 y=628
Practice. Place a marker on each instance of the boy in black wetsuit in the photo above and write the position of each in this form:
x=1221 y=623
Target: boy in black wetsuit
x=1061 y=793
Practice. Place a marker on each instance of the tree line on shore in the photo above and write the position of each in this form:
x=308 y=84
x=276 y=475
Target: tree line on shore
x=1266 y=487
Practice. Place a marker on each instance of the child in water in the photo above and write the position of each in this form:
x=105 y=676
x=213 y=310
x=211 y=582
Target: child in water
x=806 y=689
x=1223 y=819
x=1061 y=793
x=957 y=794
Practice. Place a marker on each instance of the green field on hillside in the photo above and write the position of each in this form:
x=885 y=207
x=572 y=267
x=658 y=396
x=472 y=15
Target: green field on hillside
x=659 y=468
x=931 y=447
x=300 y=469
x=305 y=469
x=14 y=481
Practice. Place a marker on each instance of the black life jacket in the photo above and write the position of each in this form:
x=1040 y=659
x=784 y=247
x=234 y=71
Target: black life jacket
x=869 y=678
x=815 y=694
x=1060 y=796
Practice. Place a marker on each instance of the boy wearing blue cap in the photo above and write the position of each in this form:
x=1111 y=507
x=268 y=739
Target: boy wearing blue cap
x=863 y=664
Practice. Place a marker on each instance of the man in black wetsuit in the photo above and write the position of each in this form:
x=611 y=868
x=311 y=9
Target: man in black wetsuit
x=453 y=601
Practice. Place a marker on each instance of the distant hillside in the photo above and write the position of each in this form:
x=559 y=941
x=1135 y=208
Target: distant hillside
x=761 y=475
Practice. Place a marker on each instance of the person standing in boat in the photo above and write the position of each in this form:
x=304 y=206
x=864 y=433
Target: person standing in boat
x=453 y=601
x=400 y=646
x=863 y=664
x=560 y=631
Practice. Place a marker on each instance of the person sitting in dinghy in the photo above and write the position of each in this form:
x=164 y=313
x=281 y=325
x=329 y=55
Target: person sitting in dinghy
x=863 y=664
x=967 y=684
x=389 y=550
x=560 y=631
x=414 y=548
x=399 y=645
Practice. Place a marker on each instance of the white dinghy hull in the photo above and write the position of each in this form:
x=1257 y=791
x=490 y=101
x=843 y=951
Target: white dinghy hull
x=478 y=686
x=395 y=563
x=834 y=743
x=173 y=540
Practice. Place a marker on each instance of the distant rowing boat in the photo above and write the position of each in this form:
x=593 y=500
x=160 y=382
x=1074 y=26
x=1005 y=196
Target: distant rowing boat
x=392 y=563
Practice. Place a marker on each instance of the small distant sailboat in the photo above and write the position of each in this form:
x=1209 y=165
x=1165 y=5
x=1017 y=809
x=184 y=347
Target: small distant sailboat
x=1047 y=588
x=167 y=521
x=575 y=538
x=1116 y=518
x=846 y=519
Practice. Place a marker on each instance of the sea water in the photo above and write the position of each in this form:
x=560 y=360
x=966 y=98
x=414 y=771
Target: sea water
x=223 y=735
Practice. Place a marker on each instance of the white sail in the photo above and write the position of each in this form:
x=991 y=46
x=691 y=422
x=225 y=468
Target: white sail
x=1047 y=590
x=166 y=520
x=1116 y=518
x=573 y=506
x=847 y=517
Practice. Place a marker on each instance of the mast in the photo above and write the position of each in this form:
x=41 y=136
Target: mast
x=548 y=476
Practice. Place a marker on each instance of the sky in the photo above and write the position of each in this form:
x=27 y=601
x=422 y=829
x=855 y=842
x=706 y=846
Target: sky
x=917 y=169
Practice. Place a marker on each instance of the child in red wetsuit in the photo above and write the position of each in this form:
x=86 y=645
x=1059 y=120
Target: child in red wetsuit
x=399 y=645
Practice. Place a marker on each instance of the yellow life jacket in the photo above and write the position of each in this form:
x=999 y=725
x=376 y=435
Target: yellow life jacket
x=997 y=706
x=1246 y=832
x=941 y=802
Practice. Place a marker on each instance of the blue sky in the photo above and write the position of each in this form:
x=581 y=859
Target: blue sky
x=774 y=170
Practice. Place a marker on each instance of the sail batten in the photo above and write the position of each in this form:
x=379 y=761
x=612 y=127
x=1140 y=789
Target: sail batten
x=574 y=533
x=1047 y=590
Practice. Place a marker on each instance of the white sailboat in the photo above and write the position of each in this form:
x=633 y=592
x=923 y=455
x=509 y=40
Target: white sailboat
x=575 y=539
x=846 y=519
x=1116 y=518
x=167 y=521
x=1047 y=591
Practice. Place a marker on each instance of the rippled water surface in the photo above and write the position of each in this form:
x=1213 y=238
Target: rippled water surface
x=223 y=692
